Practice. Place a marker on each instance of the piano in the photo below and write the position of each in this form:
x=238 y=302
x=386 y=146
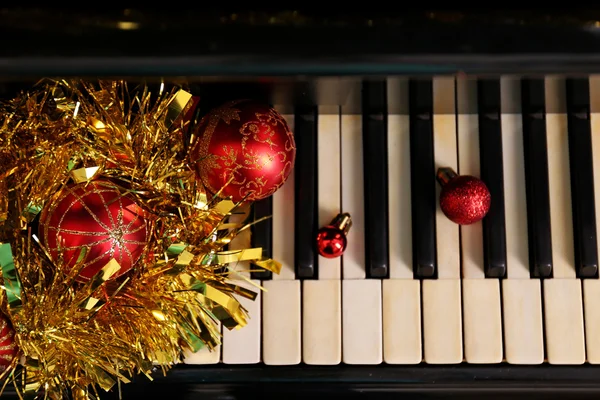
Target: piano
x=417 y=306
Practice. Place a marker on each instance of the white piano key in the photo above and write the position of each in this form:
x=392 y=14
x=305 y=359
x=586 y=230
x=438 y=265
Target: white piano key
x=521 y=296
x=442 y=322
x=361 y=297
x=563 y=307
x=401 y=304
x=482 y=314
x=283 y=224
x=204 y=356
x=444 y=138
x=591 y=299
x=591 y=287
x=353 y=196
x=329 y=182
x=361 y=317
x=281 y=300
x=402 y=321
x=243 y=345
x=322 y=322
x=482 y=321
x=282 y=322
x=399 y=198
x=563 y=312
x=522 y=311
x=321 y=299
x=442 y=319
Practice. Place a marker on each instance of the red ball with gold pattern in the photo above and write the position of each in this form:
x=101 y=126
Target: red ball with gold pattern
x=96 y=215
x=244 y=148
x=8 y=347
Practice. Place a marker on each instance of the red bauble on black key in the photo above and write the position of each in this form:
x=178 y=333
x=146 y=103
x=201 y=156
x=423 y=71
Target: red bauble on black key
x=464 y=199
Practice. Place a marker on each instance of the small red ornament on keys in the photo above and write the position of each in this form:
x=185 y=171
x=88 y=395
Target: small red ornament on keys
x=96 y=215
x=464 y=199
x=331 y=239
x=8 y=347
x=244 y=148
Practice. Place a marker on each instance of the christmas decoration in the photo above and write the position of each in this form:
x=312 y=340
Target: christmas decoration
x=332 y=238
x=464 y=199
x=71 y=152
x=245 y=149
x=92 y=223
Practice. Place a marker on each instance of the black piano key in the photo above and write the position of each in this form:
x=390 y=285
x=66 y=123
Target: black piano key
x=306 y=193
x=423 y=179
x=491 y=166
x=262 y=234
x=536 y=177
x=374 y=108
x=582 y=178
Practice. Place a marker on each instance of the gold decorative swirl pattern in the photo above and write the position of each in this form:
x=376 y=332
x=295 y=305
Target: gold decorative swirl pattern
x=247 y=144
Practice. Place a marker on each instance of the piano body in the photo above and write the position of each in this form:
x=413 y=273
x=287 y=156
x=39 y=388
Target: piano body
x=417 y=306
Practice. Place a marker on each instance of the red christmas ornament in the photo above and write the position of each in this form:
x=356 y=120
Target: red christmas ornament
x=96 y=215
x=331 y=239
x=245 y=148
x=8 y=347
x=464 y=199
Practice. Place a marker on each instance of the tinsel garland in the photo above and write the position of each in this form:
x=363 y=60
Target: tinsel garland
x=83 y=339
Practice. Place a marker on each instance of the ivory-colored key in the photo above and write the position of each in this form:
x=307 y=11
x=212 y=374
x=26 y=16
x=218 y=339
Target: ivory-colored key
x=482 y=311
x=482 y=316
x=282 y=323
x=591 y=297
x=591 y=287
x=284 y=223
x=401 y=303
x=442 y=307
x=442 y=322
x=361 y=316
x=402 y=321
x=329 y=182
x=563 y=306
x=243 y=346
x=521 y=295
x=322 y=322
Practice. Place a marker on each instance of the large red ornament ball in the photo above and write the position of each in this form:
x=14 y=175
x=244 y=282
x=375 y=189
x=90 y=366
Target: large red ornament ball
x=99 y=216
x=465 y=199
x=8 y=347
x=245 y=148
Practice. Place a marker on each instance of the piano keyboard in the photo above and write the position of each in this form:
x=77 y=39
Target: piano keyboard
x=521 y=287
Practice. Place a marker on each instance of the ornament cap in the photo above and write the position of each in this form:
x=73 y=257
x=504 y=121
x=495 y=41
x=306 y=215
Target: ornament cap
x=343 y=222
x=445 y=175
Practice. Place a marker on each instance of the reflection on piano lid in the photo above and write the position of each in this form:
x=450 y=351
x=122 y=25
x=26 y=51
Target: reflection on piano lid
x=238 y=41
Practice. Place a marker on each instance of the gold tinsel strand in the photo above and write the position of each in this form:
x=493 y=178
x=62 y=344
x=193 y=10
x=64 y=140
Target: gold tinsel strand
x=85 y=338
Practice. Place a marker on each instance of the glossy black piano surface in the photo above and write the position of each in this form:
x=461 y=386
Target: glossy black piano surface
x=305 y=59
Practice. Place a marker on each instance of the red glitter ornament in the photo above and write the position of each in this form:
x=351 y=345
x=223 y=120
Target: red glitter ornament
x=99 y=216
x=464 y=199
x=331 y=239
x=8 y=347
x=245 y=148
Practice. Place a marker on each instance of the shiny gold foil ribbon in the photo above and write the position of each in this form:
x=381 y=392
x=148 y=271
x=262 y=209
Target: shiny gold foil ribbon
x=94 y=336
